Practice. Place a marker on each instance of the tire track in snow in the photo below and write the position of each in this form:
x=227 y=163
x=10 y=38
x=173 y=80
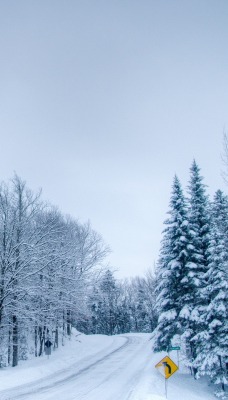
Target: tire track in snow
x=56 y=379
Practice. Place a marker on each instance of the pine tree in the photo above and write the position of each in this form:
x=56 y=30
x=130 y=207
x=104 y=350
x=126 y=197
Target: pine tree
x=106 y=310
x=196 y=279
x=212 y=356
x=172 y=269
x=123 y=314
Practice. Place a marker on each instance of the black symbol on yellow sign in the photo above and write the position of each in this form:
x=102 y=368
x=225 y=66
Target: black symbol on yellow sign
x=166 y=367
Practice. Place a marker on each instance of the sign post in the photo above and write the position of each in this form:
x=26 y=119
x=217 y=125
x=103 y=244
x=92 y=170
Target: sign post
x=166 y=389
x=167 y=368
x=177 y=348
x=47 y=347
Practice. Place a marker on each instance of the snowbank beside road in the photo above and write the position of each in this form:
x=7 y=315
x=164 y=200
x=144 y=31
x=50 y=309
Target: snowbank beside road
x=79 y=347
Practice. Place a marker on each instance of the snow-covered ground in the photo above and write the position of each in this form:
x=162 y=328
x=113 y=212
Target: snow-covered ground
x=98 y=367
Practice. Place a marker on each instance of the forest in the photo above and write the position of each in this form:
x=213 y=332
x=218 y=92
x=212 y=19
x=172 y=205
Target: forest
x=54 y=276
x=192 y=284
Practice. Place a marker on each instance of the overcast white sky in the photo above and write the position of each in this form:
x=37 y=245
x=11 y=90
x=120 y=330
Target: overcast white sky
x=102 y=102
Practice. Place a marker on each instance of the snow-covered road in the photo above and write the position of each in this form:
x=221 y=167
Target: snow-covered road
x=99 y=367
x=111 y=373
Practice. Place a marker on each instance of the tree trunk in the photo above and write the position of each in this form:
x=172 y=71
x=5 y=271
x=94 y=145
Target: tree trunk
x=193 y=356
x=56 y=344
x=222 y=371
x=68 y=323
x=41 y=340
x=9 y=347
x=36 y=342
x=64 y=327
x=15 y=341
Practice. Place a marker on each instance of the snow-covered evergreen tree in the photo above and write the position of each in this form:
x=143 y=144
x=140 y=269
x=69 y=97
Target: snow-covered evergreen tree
x=193 y=300
x=192 y=289
x=212 y=351
x=106 y=310
x=172 y=269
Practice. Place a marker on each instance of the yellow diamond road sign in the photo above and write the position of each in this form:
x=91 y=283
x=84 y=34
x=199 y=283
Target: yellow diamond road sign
x=166 y=367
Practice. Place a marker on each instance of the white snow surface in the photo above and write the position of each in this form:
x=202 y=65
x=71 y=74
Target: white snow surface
x=99 y=367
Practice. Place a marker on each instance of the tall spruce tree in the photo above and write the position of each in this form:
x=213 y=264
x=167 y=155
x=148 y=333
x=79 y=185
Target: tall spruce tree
x=194 y=300
x=212 y=356
x=172 y=269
